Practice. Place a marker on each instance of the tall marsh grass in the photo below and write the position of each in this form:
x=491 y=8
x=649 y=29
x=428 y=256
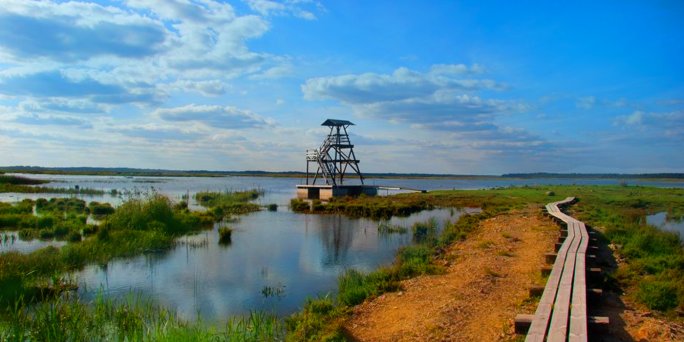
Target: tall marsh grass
x=129 y=319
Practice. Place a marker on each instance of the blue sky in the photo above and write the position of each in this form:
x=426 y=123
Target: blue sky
x=457 y=87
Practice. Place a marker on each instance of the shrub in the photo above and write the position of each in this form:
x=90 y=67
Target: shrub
x=658 y=295
x=46 y=234
x=74 y=237
x=100 y=209
x=299 y=206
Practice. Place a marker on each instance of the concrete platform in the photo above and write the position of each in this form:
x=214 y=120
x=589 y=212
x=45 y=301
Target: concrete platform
x=326 y=192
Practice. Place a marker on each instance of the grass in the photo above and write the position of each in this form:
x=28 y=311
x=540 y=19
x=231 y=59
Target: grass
x=226 y=203
x=137 y=226
x=9 y=183
x=225 y=235
x=130 y=319
x=373 y=207
x=385 y=227
x=19 y=180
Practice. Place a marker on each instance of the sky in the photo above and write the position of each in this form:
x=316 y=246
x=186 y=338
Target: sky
x=458 y=87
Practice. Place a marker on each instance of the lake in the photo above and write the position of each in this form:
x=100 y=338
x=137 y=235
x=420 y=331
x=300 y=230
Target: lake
x=276 y=259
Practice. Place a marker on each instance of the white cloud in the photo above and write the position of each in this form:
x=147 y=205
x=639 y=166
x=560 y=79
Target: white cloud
x=213 y=116
x=298 y=8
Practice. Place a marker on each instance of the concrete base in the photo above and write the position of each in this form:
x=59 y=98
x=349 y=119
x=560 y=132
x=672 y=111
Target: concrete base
x=326 y=192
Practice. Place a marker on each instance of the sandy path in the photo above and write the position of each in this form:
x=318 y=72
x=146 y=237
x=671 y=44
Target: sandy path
x=487 y=279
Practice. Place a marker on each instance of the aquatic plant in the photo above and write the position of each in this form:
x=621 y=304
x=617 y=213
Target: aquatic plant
x=100 y=210
x=385 y=227
x=225 y=235
x=425 y=232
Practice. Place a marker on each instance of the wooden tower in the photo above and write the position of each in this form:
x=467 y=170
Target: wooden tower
x=335 y=156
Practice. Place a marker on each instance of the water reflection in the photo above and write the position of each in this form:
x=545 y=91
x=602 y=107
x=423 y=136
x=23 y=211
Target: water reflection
x=662 y=221
x=275 y=261
x=10 y=241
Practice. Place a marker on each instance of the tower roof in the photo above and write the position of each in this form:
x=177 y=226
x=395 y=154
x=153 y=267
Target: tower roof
x=334 y=122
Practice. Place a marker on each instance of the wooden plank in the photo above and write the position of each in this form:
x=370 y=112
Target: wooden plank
x=539 y=327
x=558 y=329
x=551 y=319
x=578 y=318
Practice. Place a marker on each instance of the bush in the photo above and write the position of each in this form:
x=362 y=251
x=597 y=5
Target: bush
x=299 y=206
x=74 y=237
x=100 y=209
x=658 y=295
x=46 y=234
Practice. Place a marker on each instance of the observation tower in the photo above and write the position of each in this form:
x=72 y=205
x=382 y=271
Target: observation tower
x=333 y=161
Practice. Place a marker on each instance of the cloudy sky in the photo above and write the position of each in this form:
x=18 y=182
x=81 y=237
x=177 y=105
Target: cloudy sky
x=459 y=87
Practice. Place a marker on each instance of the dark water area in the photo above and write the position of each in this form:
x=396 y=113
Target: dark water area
x=275 y=261
x=661 y=221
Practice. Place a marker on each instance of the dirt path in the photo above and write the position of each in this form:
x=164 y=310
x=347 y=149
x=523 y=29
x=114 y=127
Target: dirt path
x=487 y=279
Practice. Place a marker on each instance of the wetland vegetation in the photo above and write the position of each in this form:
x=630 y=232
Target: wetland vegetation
x=11 y=183
x=652 y=273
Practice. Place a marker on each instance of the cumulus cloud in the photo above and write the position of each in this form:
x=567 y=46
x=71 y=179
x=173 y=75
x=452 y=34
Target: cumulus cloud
x=445 y=97
x=207 y=88
x=654 y=125
x=75 y=31
x=58 y=84
x=446 y=101
x=213 y=116
x=402 y=84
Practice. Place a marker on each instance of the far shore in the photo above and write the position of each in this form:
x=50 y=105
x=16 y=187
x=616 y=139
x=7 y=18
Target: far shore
x=133 y=172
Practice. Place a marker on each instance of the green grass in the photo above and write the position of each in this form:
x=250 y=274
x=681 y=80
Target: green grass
x=226 y=203
x=137 y=226
x=363 y=206
x=21 y=184
x=130 y=319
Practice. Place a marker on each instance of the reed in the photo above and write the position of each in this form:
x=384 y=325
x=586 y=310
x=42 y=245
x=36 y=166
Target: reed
x=129 y=319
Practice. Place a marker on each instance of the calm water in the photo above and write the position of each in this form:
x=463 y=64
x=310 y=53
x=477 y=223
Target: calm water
x=293 y=255
x=9 y=241
x=300 y=255
x=661 y=221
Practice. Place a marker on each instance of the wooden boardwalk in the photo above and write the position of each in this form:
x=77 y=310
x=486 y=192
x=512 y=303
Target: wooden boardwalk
x=562 y=311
